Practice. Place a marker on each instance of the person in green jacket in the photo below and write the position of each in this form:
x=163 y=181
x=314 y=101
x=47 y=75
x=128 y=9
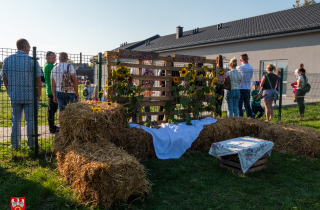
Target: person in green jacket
x=53 y=107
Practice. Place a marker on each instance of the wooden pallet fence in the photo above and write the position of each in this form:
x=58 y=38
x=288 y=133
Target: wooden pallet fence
x=168 y=67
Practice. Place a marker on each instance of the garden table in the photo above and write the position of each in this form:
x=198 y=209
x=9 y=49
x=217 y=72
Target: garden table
x=251 y=153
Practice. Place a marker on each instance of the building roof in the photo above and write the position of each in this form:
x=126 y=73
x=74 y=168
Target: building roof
x=286 y=21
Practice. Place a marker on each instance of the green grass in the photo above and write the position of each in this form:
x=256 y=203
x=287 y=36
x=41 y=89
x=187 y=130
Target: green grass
x=194 y=181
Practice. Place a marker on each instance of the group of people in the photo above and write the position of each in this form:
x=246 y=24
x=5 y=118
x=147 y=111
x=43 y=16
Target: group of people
x=17 y=76
x=265 y=90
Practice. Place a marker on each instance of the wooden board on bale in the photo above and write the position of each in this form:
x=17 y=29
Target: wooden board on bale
x=141 y=55
x=232 y=162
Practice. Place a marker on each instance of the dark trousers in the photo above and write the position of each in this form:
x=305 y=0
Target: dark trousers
x=300 y=100
x=220 y=91
x=245 y=99
x=52 y=109
x=256 y=109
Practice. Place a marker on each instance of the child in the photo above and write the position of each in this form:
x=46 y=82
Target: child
x=256 y=100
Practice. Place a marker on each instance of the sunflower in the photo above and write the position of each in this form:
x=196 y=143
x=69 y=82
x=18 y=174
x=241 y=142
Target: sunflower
x=205 y=68
x=175 y=79
x=203 y=107
x=99 y=109
x=193 y=78
x=221 y=72
x=193 y=92
x=195 y=72
x=222 y=83
x=109 y=104
x=189 y=65
x=214 y=80
x=209 y=93
x=183 y=72
x=220 y=97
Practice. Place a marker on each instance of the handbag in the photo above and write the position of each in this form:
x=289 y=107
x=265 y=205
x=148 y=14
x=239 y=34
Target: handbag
x=227 y=83
x=276 y=93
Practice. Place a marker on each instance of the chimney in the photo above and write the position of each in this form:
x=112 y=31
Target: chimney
x=179 y=32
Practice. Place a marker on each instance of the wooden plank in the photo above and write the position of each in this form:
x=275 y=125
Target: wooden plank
x=111 y=53
x=155 y=103
x=230 y=163
x=139 y=82
x=234 y=158
x=161 y=98
x=258 y=168
x=162 y=78
x=164 y=113
x=189 y=58
x=231 y=168
x=157 y=88
x=211 y=61
x=161 y=58
x=260 y=162
x=168 y=68
x=141 y=55
x=109 y=75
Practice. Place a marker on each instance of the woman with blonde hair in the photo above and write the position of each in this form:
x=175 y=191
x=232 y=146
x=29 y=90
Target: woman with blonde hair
x=268 y=84
x=233 y=95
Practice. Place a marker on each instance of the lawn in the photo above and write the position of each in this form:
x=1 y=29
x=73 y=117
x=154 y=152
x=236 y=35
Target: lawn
x=194 y=181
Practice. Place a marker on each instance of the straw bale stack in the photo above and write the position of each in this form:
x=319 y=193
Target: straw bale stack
x=102 y=175
x=293 y=139
x=80 y=123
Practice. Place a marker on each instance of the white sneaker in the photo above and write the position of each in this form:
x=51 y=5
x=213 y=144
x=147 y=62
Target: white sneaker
x=275 y=105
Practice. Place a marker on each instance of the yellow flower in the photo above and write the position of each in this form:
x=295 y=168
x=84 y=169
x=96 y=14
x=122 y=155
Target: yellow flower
x=214 y=80
x=194 y=78
x=175 y=79
x=221 y=72
x=220 y=97
x=183 y=72
x=194 y=72
x=126 y=68
x=209 y=93
x=193 y=92
x=99 y=109
x=189 y=65
x=203 y=107
x=99 y=105
x=222 y=83
x=109 y=104
x=90 y=103
x=205 y=68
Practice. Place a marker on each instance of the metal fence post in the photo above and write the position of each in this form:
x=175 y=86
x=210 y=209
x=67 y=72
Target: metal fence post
x=280 y=97
x=35 y=100
x=99 y=73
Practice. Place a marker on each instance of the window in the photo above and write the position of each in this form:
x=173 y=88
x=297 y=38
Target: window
x=280 y=64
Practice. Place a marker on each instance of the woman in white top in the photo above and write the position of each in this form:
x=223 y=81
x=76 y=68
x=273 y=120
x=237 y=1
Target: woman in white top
x=300 y=93
x=233 y=95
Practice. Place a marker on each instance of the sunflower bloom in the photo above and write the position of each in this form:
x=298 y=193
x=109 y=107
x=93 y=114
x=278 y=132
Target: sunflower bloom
x=203 y=107
x=222 y=83
x=220 y=97
x=221 y=72
x=193 y=92
x=109 y=104
x=205 y=68
x=175 y=79
x=209 y=93
x=214 y=80
x=195 y=72
x=193 y=78
x=183 y=72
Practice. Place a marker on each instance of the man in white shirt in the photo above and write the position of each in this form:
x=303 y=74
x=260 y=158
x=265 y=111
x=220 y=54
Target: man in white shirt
x=60 y=95
x=296 y=75
x=246 y=71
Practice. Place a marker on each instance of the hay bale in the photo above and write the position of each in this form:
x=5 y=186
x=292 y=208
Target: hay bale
x=79 y=123
x=293 y=139
x=136 y=142
x=102 y=174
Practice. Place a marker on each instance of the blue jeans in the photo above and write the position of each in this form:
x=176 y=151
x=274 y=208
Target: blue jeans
x=64 y=99
x=245 y=99
x=17 y=112
x=233 y=97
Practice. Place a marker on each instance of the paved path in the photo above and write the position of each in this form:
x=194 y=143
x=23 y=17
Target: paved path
x=5 y=132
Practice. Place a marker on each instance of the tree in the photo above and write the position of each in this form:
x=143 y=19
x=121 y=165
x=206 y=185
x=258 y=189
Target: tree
x=306 y=3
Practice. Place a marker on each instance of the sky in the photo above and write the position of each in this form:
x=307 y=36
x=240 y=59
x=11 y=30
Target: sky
x=94 y=26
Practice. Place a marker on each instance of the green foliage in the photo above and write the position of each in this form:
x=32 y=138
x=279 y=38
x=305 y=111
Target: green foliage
x=306 y=3
x=185 y=92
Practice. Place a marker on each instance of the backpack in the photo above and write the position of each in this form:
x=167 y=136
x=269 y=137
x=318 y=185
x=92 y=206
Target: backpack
x=227 y=83
x=85 y=92
x=66 y=83
x=307 y=86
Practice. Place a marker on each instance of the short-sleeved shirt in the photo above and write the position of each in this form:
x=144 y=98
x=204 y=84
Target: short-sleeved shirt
x=273 y=79
x=235 y=78
x=303 y=82
x=90 y=90
x=58 y=72
x=255 y=102
x=18 y=69
x=221 y=77
x=47 y=68
x=246 y=71
x=296 y=74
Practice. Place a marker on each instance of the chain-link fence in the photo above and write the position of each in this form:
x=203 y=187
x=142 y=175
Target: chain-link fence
x=24 y=126
x=27 y=124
